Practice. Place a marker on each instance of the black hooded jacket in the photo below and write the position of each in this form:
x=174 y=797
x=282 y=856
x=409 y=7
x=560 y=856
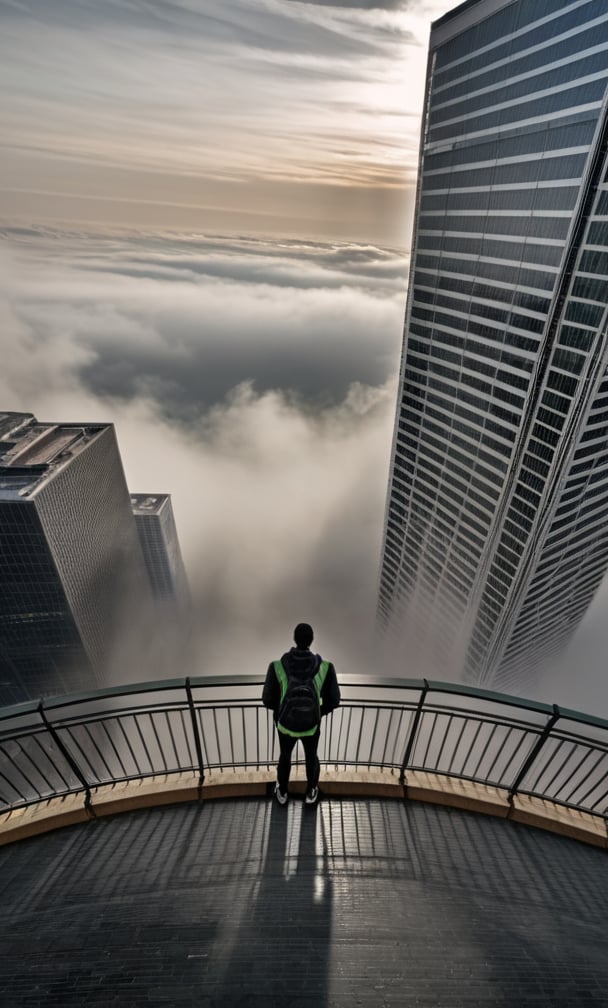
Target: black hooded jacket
x=302 y=664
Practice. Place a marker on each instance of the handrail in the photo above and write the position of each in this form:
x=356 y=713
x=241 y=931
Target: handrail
x=80 y=742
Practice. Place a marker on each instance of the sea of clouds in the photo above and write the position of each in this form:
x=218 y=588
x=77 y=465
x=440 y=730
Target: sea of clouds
x=254 y=381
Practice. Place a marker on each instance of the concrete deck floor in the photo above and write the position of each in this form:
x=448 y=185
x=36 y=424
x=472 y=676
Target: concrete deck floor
x=357 y=902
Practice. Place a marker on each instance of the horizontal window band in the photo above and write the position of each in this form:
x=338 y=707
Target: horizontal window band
x=577 y=54
x=556 y=26
x=495 y=130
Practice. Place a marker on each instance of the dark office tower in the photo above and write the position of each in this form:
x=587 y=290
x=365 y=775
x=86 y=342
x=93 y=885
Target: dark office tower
x=71 y=562
x=158 y=537
x=496 y=532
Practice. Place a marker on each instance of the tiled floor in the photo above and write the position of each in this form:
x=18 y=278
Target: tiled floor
x=358 y=903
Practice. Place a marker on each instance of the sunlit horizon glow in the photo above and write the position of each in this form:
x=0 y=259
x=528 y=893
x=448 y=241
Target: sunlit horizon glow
x=294 y=117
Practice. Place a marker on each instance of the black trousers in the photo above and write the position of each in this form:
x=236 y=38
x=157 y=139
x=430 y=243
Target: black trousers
x=313 y=767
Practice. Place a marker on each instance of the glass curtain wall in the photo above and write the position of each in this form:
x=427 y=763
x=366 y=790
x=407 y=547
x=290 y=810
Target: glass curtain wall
x=504 y=333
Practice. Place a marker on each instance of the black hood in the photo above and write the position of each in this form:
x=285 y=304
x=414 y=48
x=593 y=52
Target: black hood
x=300 y=663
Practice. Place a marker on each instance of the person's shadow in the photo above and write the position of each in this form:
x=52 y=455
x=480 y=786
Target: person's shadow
x=280 y=953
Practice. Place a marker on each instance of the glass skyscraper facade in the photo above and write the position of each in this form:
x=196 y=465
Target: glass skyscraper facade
x=72 y=573
x=158 y=537
x=496 y=532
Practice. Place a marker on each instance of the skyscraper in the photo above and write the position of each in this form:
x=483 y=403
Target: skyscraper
x=496 y=533
x=158 y=537
x=72 y=572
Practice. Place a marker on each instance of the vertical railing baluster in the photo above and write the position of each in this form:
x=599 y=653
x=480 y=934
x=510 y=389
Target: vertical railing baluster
x=231 y=737
x=413 y=730
x=172 y=737
x=159 y=744
x=347 y=737
x=444 y=740
x=397 y=734
x=425 y=759
x=457 y=745
x=360 y=735
x=329 y=735
x=542 y=738
x=66 y=755
x=185 y=737
x=195 y=732
x=244 y=727
x=373 y=739
x=218 y=744
x=389 y=718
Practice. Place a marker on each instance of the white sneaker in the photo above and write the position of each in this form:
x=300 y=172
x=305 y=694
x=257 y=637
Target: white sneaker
x=280 y=797
x=312 y=796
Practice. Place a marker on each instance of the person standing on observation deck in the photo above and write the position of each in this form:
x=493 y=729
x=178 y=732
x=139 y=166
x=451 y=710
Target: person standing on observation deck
x=300 y=689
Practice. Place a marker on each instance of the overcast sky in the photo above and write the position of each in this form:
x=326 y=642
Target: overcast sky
x=205 y=211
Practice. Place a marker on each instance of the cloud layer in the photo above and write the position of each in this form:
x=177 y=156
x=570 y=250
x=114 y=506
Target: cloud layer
x=184 y=321
x=254 y=382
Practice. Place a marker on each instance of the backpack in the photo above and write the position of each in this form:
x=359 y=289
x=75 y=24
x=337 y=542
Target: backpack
x=300 y=709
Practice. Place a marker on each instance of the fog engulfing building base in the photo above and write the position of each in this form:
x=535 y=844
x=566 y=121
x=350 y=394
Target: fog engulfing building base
x=75 y=594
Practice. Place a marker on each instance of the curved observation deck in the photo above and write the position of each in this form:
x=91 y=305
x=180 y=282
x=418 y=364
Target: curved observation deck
x=81 y=757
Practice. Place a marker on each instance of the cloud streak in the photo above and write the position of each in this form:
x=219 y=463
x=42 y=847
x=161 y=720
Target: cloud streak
x=247 y=107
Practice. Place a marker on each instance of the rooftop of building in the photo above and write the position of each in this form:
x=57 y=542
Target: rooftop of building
x=488 y=7
x=148 y=504
x=464 y=16
x=31 y=452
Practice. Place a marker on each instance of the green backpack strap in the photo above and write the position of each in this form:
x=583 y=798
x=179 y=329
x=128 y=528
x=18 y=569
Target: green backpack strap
x=319 y=679
x=281 y=675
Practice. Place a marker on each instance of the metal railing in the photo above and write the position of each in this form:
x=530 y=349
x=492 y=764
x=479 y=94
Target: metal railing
x=205 y=725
